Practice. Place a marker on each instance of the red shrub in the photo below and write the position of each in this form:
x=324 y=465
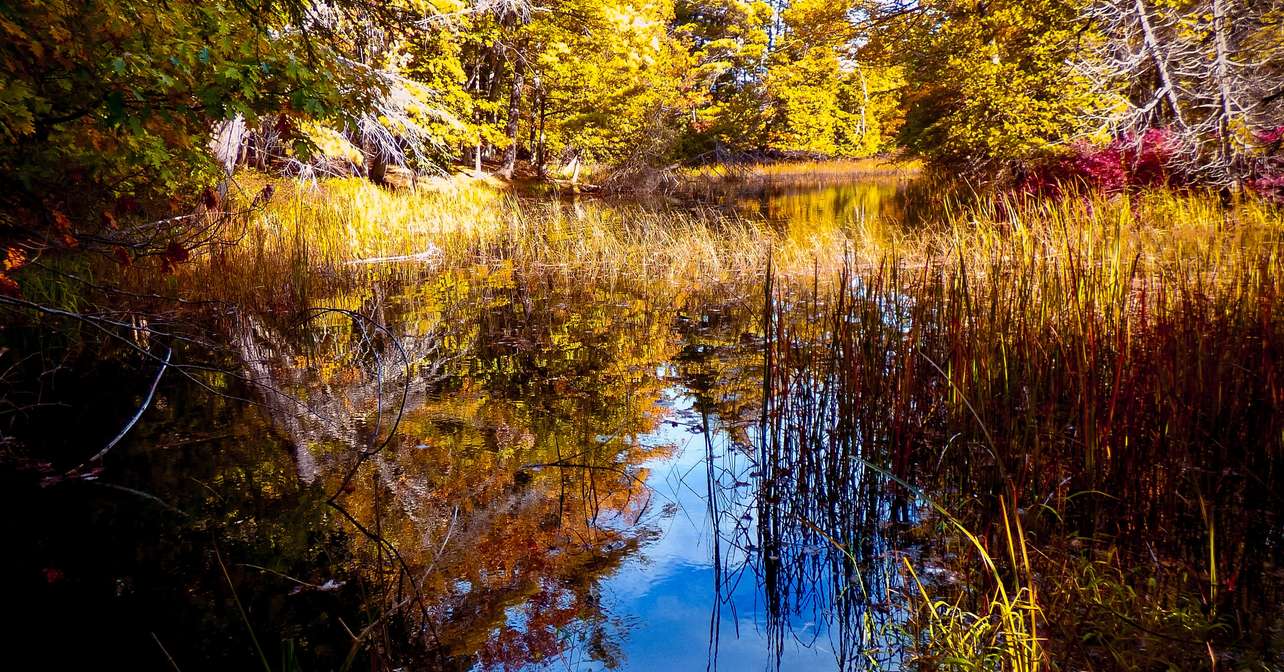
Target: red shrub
x=1129 y=162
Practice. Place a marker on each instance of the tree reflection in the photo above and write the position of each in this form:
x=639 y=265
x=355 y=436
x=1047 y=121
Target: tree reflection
x=512 y=483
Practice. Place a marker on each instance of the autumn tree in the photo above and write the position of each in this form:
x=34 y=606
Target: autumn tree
x=827 y=95
x=986 y=82
x=728 y=42
x=615 y=92
x=107 y=110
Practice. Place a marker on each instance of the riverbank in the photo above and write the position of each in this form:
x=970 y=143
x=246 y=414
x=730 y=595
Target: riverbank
x=465 y=220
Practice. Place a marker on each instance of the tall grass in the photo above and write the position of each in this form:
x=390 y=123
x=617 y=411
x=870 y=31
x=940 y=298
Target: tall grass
x=1003 y=635
x=1079 y=371
x=344 y=224
x=808 y=172
x=1114 y=362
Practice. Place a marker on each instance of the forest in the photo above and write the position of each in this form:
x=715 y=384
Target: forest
x=852 y=335
x=117 y=101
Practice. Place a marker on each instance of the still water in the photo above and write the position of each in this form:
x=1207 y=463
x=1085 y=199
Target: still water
x=480 y=469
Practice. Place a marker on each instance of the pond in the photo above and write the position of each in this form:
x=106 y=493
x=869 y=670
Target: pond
x=484 y=466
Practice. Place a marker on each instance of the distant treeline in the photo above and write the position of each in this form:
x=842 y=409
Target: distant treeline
x=109 y=110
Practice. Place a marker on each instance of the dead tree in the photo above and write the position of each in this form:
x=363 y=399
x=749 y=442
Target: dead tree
x=1210 y=72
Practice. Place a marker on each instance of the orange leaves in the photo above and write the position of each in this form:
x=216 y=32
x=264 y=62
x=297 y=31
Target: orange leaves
x=62 y=229
x=14 y=259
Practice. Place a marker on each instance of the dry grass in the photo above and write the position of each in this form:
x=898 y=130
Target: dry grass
x=845 y=170
x=345 y=223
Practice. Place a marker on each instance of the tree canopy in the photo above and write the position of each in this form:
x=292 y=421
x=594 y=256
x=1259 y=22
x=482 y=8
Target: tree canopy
x=109 y=110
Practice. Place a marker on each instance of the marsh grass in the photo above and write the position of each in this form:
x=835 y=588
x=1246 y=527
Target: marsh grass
x=1003 y=634
x=1076 y=372
x=804 y=172
x=337 y=226
x=1106 y=369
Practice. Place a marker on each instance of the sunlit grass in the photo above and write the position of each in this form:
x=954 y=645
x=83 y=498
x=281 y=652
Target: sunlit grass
x=347 y=223
x=1002 y=635
x=809 y=171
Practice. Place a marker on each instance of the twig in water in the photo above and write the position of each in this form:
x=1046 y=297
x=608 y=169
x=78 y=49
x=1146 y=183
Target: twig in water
x=147 y=401
x=166 y=652
x=245 y=617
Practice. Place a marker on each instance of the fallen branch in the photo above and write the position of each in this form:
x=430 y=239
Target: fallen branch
x=147 y=402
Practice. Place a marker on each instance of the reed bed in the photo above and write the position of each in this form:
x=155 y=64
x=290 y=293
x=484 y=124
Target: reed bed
x=1108 y=370
x=1082 y=384
x=806 y=172
x=347 y=224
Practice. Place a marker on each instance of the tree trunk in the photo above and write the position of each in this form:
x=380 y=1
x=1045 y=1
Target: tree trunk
x=376 y=165
x=1225 y=150
x=514 y=117
x=226 y=144
x=540 y=159
x=229 y=135
x=532 y=134
x=1158 y=59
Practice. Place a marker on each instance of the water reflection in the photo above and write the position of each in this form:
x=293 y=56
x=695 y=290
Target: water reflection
x=843 y=203
x=476 y=468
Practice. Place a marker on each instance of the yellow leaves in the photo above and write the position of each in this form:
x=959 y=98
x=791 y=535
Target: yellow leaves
x=627 y=17
x=331 y=143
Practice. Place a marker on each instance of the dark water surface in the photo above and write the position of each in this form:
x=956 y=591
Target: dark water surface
x=477 y=469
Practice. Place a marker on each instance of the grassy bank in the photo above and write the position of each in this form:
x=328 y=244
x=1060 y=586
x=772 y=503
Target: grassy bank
x=1088 y=387
x=340 y=224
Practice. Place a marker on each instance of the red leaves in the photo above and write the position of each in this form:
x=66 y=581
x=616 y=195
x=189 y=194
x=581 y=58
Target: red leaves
x=174 y=255
x=1271 y=136
x=209 y=198
x=1270 y=186
x=1129 y=162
